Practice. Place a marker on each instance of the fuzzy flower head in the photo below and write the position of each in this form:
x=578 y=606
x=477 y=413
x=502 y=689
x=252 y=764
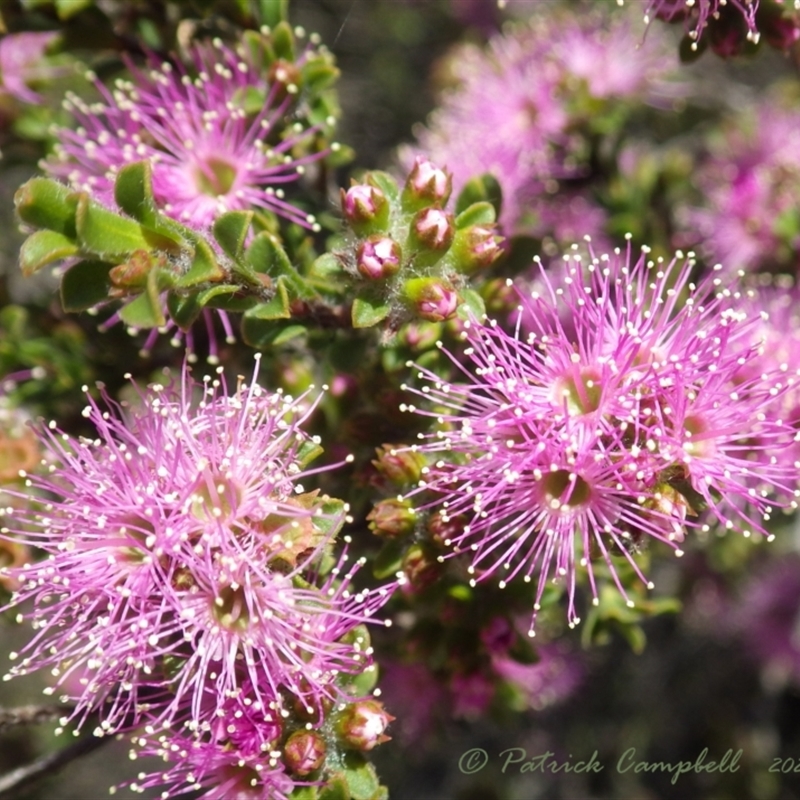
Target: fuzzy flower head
x=225 y=134
x=513 y=104
x=183 y=551
x=749 y=185
x=619 y=417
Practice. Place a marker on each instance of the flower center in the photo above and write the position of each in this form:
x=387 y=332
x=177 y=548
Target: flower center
x=215 y=176
x=563 y=489
x=582 y=389
x=695 y=444
x=230 y=609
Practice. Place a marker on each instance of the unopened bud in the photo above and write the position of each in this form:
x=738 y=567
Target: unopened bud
x=433 y=299
x=362 y=724
x=434 y=229
x=476 y=247
x=392 y=518
x=444 y=529
x=378 y=257
x=365 y=207
x=426 y=184
x=304 y=752
x=401 y=467
x=421 y=567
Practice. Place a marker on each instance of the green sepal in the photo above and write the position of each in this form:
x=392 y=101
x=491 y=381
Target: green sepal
x=230 y=230
x=369 y=311
x=283 y=41
x=205 y=267
x=276 y=308
x=471 y=305
x=44 y=203
x=85 y=285
x=389 y=559
x=477 y=214
x=42 y=248
x=484 y=188
x=385 y=182
x=183 y=311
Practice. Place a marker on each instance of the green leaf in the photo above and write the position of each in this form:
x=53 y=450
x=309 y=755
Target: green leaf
x=363 y=683
x=484 y=188
x=283 y=41
x=230 y=230
x=369 y=311
x=472 y=302
x=266 y=256
x=133 y=190
x=304 y=793
x=44 y=203
x=204 y=269
x=107 y=234
x=288 y=333
x=273 y=12
x=335 y=789
x=183 y=311
x=318 y=74
x=389 y=559
x=477 y=214
x=309 y=449
x=362 y=781
x=42 y=248
x=85 y=285
x=276 y=308
x=203 y=298
x=69 y=8
x=146 y=311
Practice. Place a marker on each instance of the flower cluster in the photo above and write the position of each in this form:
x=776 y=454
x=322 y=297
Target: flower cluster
x=225 y=135
x=410 y=256
x=622 y=415
x=189 y=584
x=22 y=63
x=515 y=106
x=749 y=185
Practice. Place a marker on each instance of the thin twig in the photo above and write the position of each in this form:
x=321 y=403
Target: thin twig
x=13 y=782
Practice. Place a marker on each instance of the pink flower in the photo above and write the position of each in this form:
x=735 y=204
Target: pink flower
x=22 y=62
x=182 y=554
x=210 y=152
x=620 y=416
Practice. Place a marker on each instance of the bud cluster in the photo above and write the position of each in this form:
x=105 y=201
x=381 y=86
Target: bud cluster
x=411 y=256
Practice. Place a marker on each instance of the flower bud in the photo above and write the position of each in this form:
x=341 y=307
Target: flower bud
x=304 y=752
x=443 y=529
x=426 y=184
x=378 y=257
x=365 y=207
x=433 y=229
x=420 y=567
x=392 y=518
x=401 y=467
x=362 y=724
x=432 y=299
x=779 y=27
x=476 y=247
